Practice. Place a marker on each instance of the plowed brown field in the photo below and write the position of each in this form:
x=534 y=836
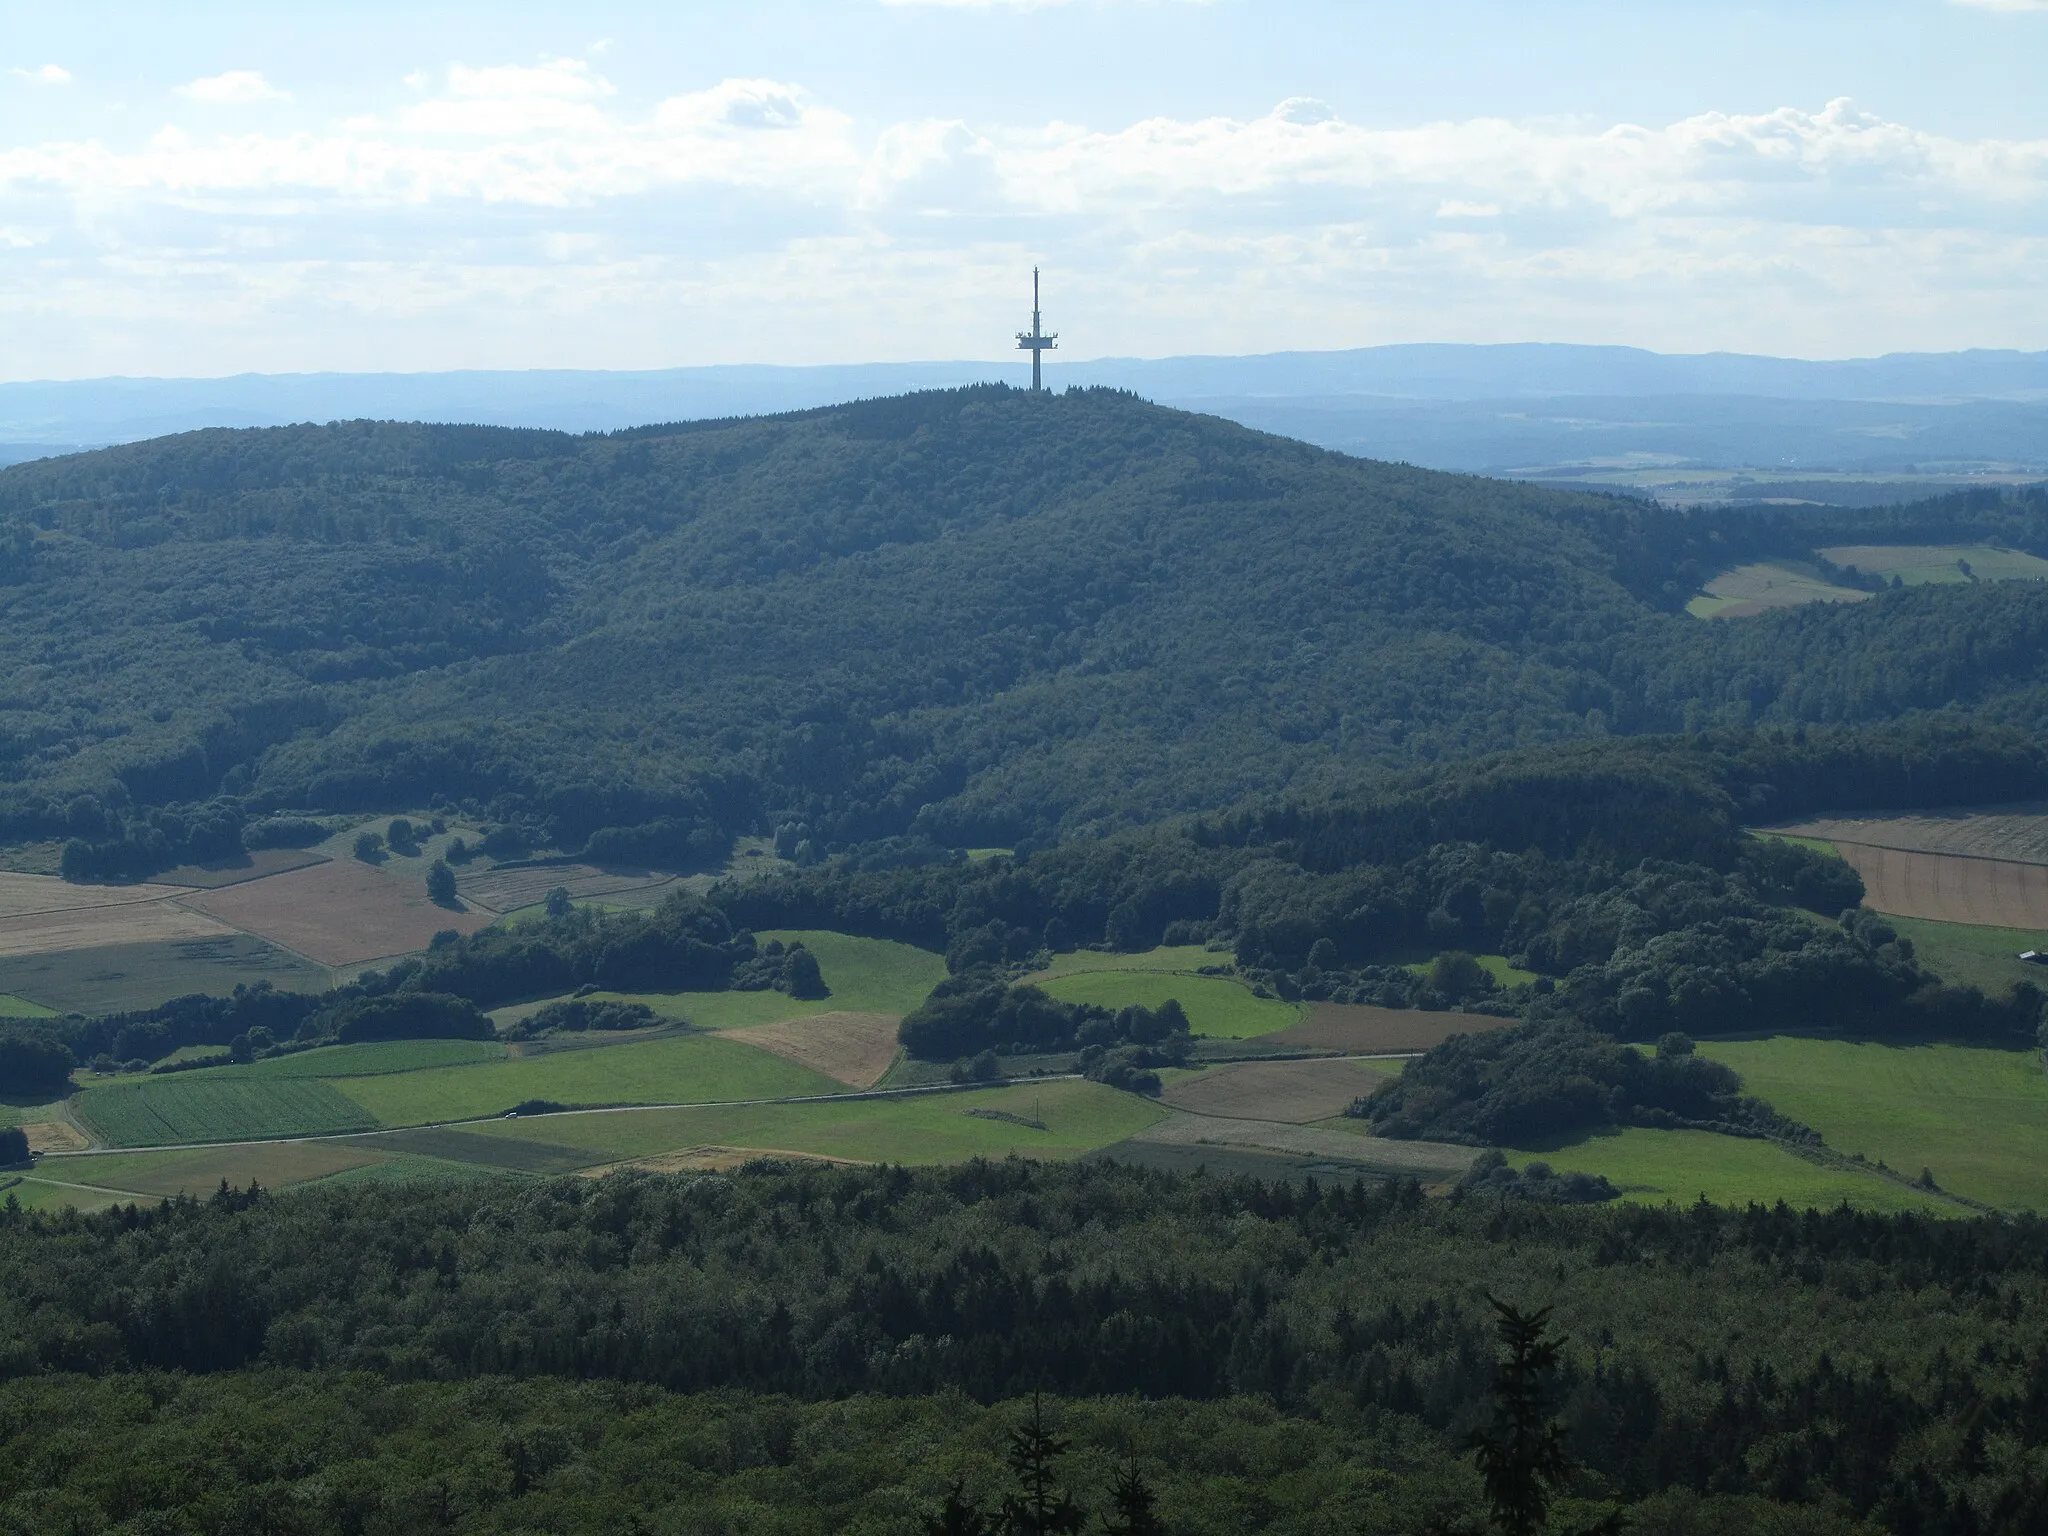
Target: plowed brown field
x=856 y=1048
x=1994 y=893
x=1357 y=1027
x=1295 y=1092
x=339 y=913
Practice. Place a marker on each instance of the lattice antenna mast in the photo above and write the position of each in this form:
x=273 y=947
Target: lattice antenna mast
x=1037 y=341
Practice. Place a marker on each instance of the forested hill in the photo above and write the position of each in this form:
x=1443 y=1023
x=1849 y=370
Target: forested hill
x=983 y=614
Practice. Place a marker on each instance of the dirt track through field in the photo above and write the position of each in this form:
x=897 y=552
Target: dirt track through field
x=338 y=913
x=856 y=1048
x=1364 y=1029
x=138 y=922
x=1295 y=1092
x=1994 y=893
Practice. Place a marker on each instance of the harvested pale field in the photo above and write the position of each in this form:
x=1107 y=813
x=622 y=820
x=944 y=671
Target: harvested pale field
x=1993 y=893
x=1361 y=1028
x=25 y=895
x=55 y=1136
x=339 y=913
x=250 y=866
x=1423 y=1159
x=505 y=890
x=1294 y=1092
x=2015 y=832
x=136 y=922
x=856 y=1048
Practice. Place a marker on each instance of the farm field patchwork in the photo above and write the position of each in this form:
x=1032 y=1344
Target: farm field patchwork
x=1977 y=1118
x=190 y=1107
x=1753 y=589
x=923 y=1128
x=1919 y=564
x=1362 y=1028
x=1297 y=1092
x=1653 y=1167
x=678 y=1070
x=99 y=927
x=339 y=913
x=23 y=895
x=2018 y=832
x=1216 y=1005
x=118 y=977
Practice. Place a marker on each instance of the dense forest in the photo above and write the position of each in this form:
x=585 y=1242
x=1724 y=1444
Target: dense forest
x=1719 y=1370
x=976 y=617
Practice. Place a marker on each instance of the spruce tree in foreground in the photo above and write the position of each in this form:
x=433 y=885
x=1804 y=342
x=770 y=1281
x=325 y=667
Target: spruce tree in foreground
x=1131 y=1498
x=1039 y=1510
x=1522 y=1455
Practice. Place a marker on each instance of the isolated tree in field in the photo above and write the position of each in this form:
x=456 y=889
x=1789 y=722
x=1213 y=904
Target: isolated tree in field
x=13 y=1146
x=559 y=902
x=801 y=976
x=441 y=884
x=402 y=835
x=368 y=846
x=1131 y=1500
x=1040 y=1509
x=1521 y=1455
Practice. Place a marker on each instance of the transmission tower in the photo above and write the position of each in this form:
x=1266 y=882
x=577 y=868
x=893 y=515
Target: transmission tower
x=1037 y=341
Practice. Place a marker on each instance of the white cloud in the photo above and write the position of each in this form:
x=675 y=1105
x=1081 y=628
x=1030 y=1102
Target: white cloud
x=235 y=88
x=2004 y=5
x=48 y=74
x=715 y=223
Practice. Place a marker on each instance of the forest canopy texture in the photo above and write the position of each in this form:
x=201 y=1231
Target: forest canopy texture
x=979 y=616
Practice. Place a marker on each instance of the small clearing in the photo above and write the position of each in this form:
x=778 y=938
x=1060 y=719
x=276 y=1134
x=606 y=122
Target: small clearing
x=339 y=913
x=855 y=1048
x=24 y=895
x=1752 y=589
x=1294 y=1092
x=1365 y=1029
x=138 y=922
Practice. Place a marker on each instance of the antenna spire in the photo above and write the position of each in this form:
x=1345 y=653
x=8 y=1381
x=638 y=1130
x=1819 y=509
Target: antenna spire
x=1037 y=341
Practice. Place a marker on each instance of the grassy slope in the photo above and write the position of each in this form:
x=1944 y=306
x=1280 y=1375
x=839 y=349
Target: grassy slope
x=1783 y=581
x=21 y=1008
x=925 y=1128
x=372 y=1059
x=1917 y=564
x=689 y=1069
x=1986 y=958
x=1978 y=1118
x=1656 y=1166
x=865 y=976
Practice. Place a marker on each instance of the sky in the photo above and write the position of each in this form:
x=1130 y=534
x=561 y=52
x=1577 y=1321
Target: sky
x=207 y=188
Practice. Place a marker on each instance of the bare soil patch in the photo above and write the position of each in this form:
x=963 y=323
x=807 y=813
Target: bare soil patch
x=135 y=922
x=26 y=895
x=338 y=913
x=55 y=1136
x=1294 y=1092
x=1992 y=893
x=504 y=890
x=1360 y=1027
x=250 y=866
x=856 y=1048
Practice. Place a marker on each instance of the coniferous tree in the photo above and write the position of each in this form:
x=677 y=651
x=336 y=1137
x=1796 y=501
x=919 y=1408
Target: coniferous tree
x=1039 y=1509
x=1131 y=1499
x=1522 y=1454
x=958 y=1517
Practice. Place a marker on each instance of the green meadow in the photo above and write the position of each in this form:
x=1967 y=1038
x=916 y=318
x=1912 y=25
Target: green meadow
x=379 y=1058
x=1216 y=1005
x=1985 y=958
x=1653 y=1167
x=198 y=1106
x=1976 y=1118
x=1918 y=564
x=864 y=975
x=12 y=1007
x=942 y=1127
x=1187 y=958
x=684 y=1069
